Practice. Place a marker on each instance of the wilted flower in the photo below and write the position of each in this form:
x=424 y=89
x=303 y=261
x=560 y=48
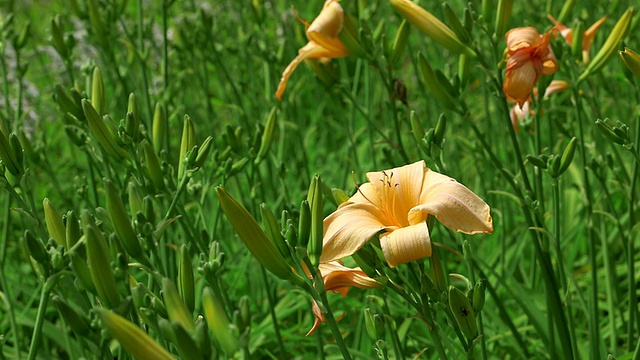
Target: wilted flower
x=529 y=56
x=323 y=41
x=519 y=113
x=395 y=204
x=339 y=278
x=587 y=40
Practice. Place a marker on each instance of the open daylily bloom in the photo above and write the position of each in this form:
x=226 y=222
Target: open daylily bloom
x=395 y=204
x=339 y=278
x=519 y=113
x=530 y=56
x=587 y=40
x=322 y=34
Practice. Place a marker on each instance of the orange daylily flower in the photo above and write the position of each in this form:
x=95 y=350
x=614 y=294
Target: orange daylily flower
x=587 y=39
x=395 y=204
x=518 y=112
x=529 y=56
x=339 y=278
x=322 y=34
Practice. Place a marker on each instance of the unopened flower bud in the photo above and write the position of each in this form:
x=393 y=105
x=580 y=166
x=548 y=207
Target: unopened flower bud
x=186 y=282
x=316 y=205
x=187 y=143
x=97 y=92
x=218 y=321
x=632 y=60
x=268 y=135
x=53 y=220
x=100 y=266
x=176 y=308
x=463 y=313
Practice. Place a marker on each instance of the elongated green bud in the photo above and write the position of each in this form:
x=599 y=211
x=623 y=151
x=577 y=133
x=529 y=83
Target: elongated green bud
x=268 y=135
x=105 y=136
x=567 y=156
x=133 y=125
x=58 y=37
x=610 y=45
x=187 y=143
x=135 y=199
x=430 y=79
x=152 y=165
x=36 y=248
x=176 y=308
x=369 y=324
x=578 y=36
x=72 y=229
x=273 y=230
x=503 y=15
x=316 y=205
x=100 y=266
x=53 y=219
x=478 y=296
x=253 y=237
x=617 y=132
x=339 y=196
x=218 y=321
x=431 y=26
x=203 y=152
x=186 y=282
x=80 y=268
x=97 y=92
x=67 y=103
x=202 y=339
x=187 y=347
x=304 y=224
x=567 y=7
x=400 y=42
x=132 y=338
x=18 y=152
x=7 y=155
x=121 y=222
x=455 y=24
x=632 y=60
x=77 y=322
x=437 y=271
x=159 y=128
x=463 y=312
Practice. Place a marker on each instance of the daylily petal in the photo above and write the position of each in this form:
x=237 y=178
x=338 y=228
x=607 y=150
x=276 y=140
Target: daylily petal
x=519 y=82
x=349 y=228
x=522 y=37
x=566 y=32
x=406 y=244
x=590 y=34
x=399 y=189
x=453 y=204
x=339 y=278
x=326 y=27
x=556 y=86
x=310 y=51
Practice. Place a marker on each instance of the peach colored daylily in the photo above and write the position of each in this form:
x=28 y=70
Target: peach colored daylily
x=395 y=204
x=519 y=113
x=322 y=34
x=339 y=278
x=587 y=39
x=529 y=56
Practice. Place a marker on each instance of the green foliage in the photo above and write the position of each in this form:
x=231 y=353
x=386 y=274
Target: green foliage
x=130 y=114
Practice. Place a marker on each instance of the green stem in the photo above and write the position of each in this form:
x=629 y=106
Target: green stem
x=631 y=282
x=594 y=327
x=42 y=307
x=3 y=281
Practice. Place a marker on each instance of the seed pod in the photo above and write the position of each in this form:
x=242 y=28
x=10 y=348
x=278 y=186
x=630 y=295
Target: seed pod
x=132 y=338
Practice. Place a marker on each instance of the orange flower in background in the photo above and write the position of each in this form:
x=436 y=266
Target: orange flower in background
x=519 y=113
x=339 y=278
x=395 y=204
x=587 y=40
x=322 y=34
x=529 y=56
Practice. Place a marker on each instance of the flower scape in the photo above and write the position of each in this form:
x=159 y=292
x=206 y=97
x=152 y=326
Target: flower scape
x=323 y=179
